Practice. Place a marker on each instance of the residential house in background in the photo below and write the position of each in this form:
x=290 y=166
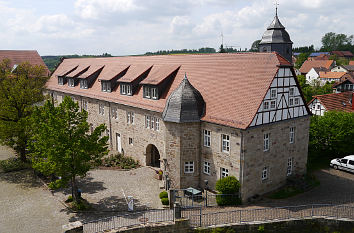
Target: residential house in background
x=343 y=54
x=314 y=74
x=319 y=56
x=345 y=84
x=351 y=63
x=330 y=76
x=339 y=69
x=19 y=56
x=332 y=102
x=309 y=64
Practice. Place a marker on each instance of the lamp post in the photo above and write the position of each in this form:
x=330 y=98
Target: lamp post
x=206 y=192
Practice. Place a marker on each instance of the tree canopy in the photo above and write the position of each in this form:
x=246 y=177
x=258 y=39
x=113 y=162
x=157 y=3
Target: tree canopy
x=314 y=88
x=331 y=135
x=61 y=143
x=255 y=46
x=332 y=41
x=301 y=59
x=20 y=89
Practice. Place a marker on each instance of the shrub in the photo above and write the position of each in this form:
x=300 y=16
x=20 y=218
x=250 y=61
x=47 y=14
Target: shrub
x=59 y=183
x=228 y=185
x=13 y=164
x=165 y=201
x=70 y=199
x=163 y=194
x=81 y=205
x=120 y=161
x=228 y=188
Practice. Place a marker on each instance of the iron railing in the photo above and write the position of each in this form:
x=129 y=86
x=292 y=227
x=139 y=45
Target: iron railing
x=199 y=217
x=128 y=220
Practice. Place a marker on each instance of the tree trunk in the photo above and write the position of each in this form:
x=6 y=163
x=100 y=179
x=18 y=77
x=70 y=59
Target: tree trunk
x=74 y=190
x=22 y=153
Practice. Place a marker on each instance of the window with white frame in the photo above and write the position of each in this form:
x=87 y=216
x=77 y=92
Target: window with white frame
x=297 y=101
x=106 y=86
x=273 y=104
x=225 y=143
x=157 y=122
x=206 y=168
x=273 y=93
x=265 y=173
x=266 y=142
x=154 y=92
x=130 y=141
x=123 y=89
x=291 y=91
x=114 y=113
x=152 y=123
x=189 y=167
x=207 y=138
x=101 y=109
x=292 y=135
x=129 y=89
x=147 y=92
x=224 y=172
x=289 y=169
x=83 y=84
x=61 y=80
x=266 y=105
x=84 y=105
x=71 y=82
x=130 y=117
x=147 y=122
x=291 y=101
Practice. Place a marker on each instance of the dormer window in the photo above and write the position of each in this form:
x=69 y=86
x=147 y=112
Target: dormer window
x=71 y=82
x=106 y=86
x=150 y=92
x=61 y=80
x=126 y=89
x=83 y=84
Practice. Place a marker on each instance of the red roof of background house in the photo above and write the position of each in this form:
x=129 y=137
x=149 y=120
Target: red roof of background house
x=308 y=65
x=343 y=79
x=343 y=53
x=338 y=75
x=336 y=101
x=351 y=63
x=321 y=57
x=232 y=85
x=19 y=56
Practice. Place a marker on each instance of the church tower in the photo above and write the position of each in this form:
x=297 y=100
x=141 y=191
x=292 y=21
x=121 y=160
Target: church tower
x=277 y=39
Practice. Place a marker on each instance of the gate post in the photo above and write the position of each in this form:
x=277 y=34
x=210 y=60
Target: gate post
x=177 y=211
x=172 y=197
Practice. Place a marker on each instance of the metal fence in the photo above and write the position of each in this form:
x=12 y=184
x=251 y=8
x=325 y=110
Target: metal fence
x=129 y=219
x=203 y=218
x=205 y=199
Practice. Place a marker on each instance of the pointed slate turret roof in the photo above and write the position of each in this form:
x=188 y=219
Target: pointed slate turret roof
x=185 y=104
x=276 y=33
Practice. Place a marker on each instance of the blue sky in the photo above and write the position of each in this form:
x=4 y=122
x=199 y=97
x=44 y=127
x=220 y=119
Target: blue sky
x=123 y=27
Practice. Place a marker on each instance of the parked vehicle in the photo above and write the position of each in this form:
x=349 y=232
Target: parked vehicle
x=346 y=163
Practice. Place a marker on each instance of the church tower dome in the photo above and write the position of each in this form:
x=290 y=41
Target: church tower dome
x=277 y=39
x=185 y=104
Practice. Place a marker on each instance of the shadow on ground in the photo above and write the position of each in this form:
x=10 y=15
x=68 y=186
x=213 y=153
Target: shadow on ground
x=107 y=207
x=86 y=185
x=25 y=178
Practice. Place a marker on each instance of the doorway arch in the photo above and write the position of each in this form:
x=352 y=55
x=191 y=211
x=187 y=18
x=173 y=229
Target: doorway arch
x=152 y=156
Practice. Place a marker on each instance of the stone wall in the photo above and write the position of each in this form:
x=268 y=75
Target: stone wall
x=140 y=135
x=276 y=158
x=216 y=157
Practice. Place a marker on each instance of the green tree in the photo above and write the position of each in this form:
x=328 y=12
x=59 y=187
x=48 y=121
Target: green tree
x=61 y=144
x=331 y=135
x=221 y=49
x=301 y=59
x=340 y=61
x=20 y=89
x=332 y=41
x=228 y=186
x=255 y=46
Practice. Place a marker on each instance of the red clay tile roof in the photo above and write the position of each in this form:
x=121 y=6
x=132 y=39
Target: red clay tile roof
x=134 y=72
x=351 y=63
x=345 y=78
x=81 y=68
x=336 y=101
x=308 y=65
x=159 y=73
x=343 y=53
x=331 y=74
x=19 y=56
x=232 y=85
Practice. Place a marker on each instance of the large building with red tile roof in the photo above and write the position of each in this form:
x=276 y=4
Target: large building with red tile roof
x=20 y=56
x=332 y=102
x=196 y=117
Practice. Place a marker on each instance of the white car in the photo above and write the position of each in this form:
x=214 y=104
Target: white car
x=346 y=163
